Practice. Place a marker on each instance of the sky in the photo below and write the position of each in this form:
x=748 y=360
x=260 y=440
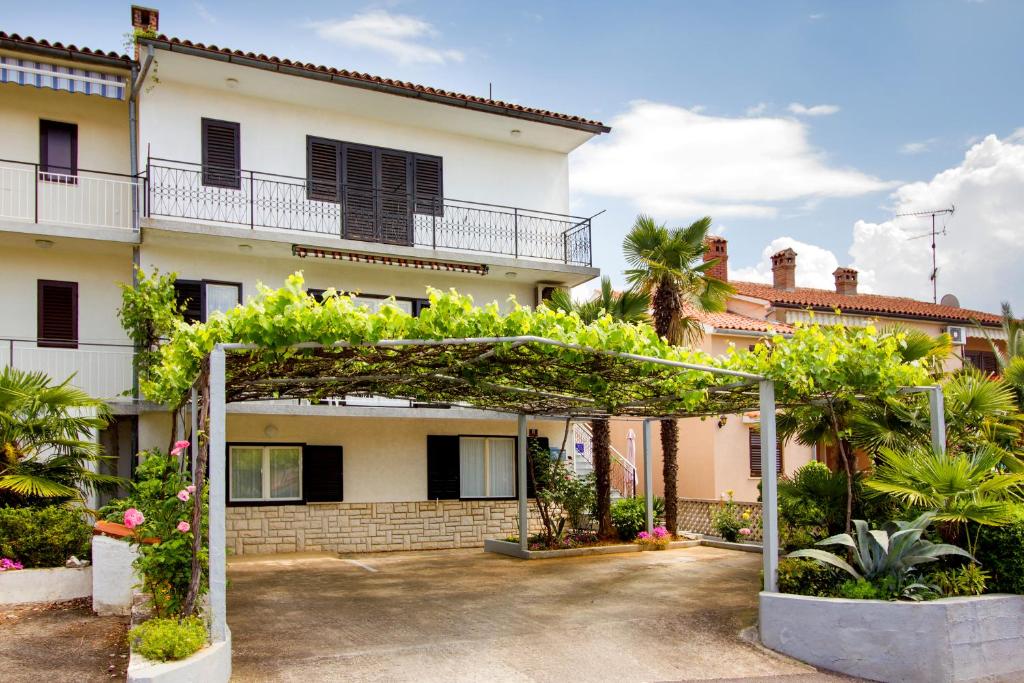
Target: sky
x=809 y=124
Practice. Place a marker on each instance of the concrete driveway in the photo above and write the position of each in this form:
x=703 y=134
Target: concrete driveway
x=466 y=615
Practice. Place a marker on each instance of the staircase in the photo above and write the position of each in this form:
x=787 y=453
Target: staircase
x=623 y=472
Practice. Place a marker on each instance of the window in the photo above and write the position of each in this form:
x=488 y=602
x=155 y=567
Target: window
x=380 y=188
x=57 y=314
x=202 y=298
x=221 y=154
x=755 y=453
x=375 y=301
x=487 y=467
x=983 y=360
x=58 y=151
x=265 y=473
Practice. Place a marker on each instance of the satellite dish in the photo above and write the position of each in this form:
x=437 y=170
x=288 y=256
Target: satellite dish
x=950 y=300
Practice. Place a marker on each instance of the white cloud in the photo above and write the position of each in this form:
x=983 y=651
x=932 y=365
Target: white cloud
x=757 y=109
x=679 y=164
x=204 y=14
x=917 y=147
x=814 y=265
x=814 y=110
x=980 y=257
x=815 y=17
x=402 y=37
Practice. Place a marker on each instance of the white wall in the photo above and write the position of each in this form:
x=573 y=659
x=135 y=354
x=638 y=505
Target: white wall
x=273 y=140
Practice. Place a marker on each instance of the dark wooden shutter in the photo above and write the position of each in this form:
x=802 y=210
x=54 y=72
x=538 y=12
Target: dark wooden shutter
x=443 y=467
x=57 y=314
x=419 y=305
x=58 y=149
x=395 y=197
x=755 y=454
x=317 y=294
x=221 y=154
x=531 y=443
x=189 y=293
x=982 y=360
x=323 y=169
x=359 y=188
x=322 y=474
x=429 y=184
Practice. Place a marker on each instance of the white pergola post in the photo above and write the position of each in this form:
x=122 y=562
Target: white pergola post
x=217 y=465
x=769 y=491
x=524 y=510
x=648 y=478
x=937 y=412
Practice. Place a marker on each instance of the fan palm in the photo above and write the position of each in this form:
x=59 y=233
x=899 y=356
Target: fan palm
x=1011 y=361
x=959 y=488
x=669 y=266
x=629 y=306
x=44 y=436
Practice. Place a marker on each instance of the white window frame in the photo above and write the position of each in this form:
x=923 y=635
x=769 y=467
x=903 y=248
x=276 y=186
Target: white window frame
x=487 y=495
x=265 y=479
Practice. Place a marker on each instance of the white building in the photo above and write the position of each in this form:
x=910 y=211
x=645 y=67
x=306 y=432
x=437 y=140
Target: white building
x=231 y=169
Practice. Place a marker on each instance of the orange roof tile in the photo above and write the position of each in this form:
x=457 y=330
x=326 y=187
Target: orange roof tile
x=726 y=320
x=873 y=304
x=402 y=87
x=13 y=40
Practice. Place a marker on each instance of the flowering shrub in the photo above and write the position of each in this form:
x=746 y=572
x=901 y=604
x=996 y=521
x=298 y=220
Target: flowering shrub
x=658 y=539
x=7 y=564
x=727 y=521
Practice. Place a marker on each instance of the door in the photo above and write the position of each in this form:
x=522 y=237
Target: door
x=376 y=194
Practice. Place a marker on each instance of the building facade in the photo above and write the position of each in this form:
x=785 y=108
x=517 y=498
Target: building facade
x=233 y=169
x=719 y=454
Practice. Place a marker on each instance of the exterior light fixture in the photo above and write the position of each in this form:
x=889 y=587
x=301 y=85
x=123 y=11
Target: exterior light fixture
x=44 y=244
x=270 y=431
x=231 y=82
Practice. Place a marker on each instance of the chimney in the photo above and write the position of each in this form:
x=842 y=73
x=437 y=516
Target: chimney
x=846 y=281
x=784 y=270
x=718 y=248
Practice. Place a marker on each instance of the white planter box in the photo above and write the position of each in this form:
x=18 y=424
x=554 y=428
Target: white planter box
x=212 y=664
x=940 y=641
x=24 y=586
x=113 y=578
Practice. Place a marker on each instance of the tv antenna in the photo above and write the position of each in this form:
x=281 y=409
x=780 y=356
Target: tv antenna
x=933 y=233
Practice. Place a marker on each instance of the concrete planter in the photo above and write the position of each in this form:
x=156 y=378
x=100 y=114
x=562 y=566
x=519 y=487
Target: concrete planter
x=211 y=664
x=24 y=586
x=113 y=578
x=513 y=550
x=940 y=641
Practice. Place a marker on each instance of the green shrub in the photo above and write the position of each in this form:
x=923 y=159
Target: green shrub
x=807 y=577
x=999 y=552
x=161 y=639
x=969 y=579
x=629 y=516
x=859 y=590
x=43 y=536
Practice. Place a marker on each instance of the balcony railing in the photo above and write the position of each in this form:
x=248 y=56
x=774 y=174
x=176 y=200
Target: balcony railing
x=183 y=190
x=81 y=197
x=102 y=370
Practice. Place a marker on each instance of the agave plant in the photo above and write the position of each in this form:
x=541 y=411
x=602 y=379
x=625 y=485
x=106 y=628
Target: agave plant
x=887 y=555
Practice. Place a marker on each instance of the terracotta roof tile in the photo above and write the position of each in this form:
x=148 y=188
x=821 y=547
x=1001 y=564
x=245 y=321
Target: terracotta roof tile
x=873 y=304
x=29 y=41
x=727 y=320
x=412 y=88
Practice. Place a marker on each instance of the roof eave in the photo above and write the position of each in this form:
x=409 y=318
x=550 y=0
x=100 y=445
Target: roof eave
x=170 y=46
x=884 y=314
x=8 y=43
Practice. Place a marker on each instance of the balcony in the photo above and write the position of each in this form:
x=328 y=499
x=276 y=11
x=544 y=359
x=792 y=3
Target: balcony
x=102 y=370
x=255 y=200
x=84 y=198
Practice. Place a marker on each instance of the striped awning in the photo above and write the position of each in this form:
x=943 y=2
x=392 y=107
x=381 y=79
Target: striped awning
x=56 y=77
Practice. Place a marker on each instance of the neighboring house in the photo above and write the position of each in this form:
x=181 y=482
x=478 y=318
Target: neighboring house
x=234 y=168
x=723 y=453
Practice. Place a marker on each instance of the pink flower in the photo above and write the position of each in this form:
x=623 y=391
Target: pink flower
x=745 y=531
x=190 y=488
x=643 y=535
x=660 y=532
x=7 y=564
x=179 y=447
x=184 y=527
x=133 y=518
x=184 y=495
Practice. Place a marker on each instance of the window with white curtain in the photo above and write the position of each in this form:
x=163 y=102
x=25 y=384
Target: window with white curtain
x=487 y=467
x=221 y=297
x=375 y=303
x=265 y=473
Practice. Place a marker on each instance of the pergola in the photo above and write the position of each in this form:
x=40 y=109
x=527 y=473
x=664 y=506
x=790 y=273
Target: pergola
x=528 y=376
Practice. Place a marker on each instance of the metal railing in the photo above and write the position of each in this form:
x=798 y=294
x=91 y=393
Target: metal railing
x=103 y=370
x=185 y=190
x=74 y=197
x=623 y=472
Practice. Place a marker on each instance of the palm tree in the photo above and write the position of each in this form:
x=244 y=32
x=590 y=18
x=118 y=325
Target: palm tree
x=669 y=266
x=1011 y=361
x=45 y=452
x=629 y=306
